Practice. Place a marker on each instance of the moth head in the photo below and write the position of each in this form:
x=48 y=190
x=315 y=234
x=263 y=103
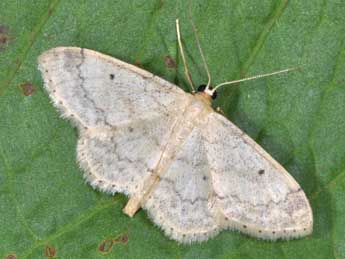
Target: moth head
x=202 y=89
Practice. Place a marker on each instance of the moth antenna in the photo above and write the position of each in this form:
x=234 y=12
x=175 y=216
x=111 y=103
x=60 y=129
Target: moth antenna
x=253 y=78
x=189 y=78
x=207 y=89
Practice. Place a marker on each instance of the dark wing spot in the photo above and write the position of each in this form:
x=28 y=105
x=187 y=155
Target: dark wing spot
x=261 y=172
x=112 y=76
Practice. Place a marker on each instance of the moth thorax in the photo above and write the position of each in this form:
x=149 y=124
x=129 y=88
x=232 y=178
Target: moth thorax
x=202 y=89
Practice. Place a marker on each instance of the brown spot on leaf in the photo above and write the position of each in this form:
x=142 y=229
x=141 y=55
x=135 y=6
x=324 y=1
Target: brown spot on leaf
x=27 y=88
x=169 y=62
x=4 y=37
x=11 y=256
x=106 y=245
x=138 y=63
x=3 y=29
x=49 y=251
x=122 y=239
x=161 y=4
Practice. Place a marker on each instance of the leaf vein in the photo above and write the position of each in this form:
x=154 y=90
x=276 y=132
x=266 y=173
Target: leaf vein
x=263 y=36
x=19 y=212
x=73 y=225
x=34 y=35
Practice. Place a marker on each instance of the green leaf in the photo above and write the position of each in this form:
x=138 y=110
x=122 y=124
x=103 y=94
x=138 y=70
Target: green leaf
x=46 y=208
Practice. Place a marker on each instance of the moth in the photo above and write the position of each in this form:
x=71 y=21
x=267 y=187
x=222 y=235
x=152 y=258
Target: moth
x=170 y=152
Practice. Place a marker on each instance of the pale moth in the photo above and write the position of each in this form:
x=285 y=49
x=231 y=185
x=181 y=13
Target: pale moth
x=190 y=168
